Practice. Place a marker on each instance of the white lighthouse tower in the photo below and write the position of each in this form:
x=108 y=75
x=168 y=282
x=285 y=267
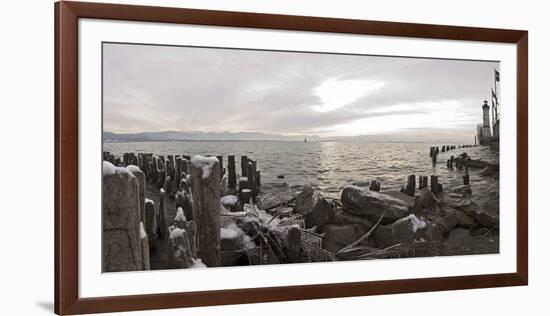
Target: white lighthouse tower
x=486 y=123
x=484 y=130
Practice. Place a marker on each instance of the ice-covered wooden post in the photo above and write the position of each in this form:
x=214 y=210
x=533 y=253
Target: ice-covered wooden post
x=220 y=160
x=244 y=166
x=145 y=256
x=141 y=183
x=178 y=172
x=232 y=175
x=258 y=178
x=161 y=219
x=150 y=222
x=205 y=177
x=121 y=226
x=252 y=178
x=245 y=195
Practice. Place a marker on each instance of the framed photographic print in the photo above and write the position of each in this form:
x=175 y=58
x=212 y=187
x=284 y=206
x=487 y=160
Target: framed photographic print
x=213 y=157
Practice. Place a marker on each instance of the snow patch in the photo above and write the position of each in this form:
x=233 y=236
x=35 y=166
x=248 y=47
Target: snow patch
x=414 y=222
x=109 y=170
x=133 y=168
x=229 y=200
x=197 y=264
x=180 y=217
x=149 y=201
x=231 y=231
x=205 y=163
x=142 y=233
x=177 y=233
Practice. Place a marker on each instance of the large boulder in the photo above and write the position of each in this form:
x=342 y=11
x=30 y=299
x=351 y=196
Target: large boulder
x=439 y=229
x=345 y=218
x=337 y=237
x=314 y=206
x=481 y=216
x=372 y=205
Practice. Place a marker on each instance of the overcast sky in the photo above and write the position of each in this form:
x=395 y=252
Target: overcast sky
x=159 y=88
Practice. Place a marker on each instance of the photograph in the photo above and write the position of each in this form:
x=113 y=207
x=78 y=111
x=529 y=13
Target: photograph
x=223 y=156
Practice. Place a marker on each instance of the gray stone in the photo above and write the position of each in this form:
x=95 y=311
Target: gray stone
x=339 y=236
x=372 y=205
x=316 y=208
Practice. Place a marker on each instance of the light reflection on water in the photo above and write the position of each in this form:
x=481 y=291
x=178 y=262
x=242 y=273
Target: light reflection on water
x=329 y=165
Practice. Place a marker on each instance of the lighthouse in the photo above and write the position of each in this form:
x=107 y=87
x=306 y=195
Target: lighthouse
x=486 y=122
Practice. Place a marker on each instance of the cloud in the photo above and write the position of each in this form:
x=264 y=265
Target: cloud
x=156 y=88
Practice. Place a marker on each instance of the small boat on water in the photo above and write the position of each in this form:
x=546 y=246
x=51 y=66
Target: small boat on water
x=305 y=140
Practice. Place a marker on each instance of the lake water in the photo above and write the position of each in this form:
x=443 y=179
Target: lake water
x=330 y=165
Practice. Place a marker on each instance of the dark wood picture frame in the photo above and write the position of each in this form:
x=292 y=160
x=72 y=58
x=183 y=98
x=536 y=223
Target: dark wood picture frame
x=67 y=300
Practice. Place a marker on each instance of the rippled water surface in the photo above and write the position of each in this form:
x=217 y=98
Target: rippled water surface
x=329 y=165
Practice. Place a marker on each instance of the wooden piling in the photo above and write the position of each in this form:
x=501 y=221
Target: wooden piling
x=205 y=179
x=161 y=216
x=245 y=196
x=232 y=176
x=434 y=184
x=244 y=166
x=258 y=178
x=410 y=187
x=220 y=160
x=252 y=178
x=374 y=186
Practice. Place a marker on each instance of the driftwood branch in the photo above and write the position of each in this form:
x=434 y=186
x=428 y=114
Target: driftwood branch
x=365 y=236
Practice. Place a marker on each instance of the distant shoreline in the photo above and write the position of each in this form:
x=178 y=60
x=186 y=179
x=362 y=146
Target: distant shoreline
x=276 y=141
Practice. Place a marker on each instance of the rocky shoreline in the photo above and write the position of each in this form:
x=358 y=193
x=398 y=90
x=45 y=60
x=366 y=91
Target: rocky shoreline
x=192 y=217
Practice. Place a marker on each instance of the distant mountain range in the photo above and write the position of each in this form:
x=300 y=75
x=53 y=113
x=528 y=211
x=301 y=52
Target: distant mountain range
x=166 y=136
x=202 y=136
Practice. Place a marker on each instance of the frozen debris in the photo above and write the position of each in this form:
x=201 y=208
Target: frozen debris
x=197 y=264
x=180 y=217
x=205 y=163
x=149 y=201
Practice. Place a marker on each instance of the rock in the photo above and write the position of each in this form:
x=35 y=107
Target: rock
x=490 y=171
x=281 y=176
x=233 y=240
x=339 y=236
x=482 y=217
x=382 y=236
x=405 y=198
x=464 y=220
x=120 y=225
x=464 y=190
x=345 y=218
x=372 y=205
x=404 y=229
x=439 y=229
x=316 y=208
x=230 y=203
x=477 y=163
x=269 y=200
x=425 y=199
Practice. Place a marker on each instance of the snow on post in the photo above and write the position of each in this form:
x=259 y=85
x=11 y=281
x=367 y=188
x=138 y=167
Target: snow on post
x=121 y=224
x=205 y=177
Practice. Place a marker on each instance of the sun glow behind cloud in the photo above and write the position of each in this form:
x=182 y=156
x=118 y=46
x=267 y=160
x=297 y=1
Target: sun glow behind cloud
x=399 y=117
x=335 y=94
